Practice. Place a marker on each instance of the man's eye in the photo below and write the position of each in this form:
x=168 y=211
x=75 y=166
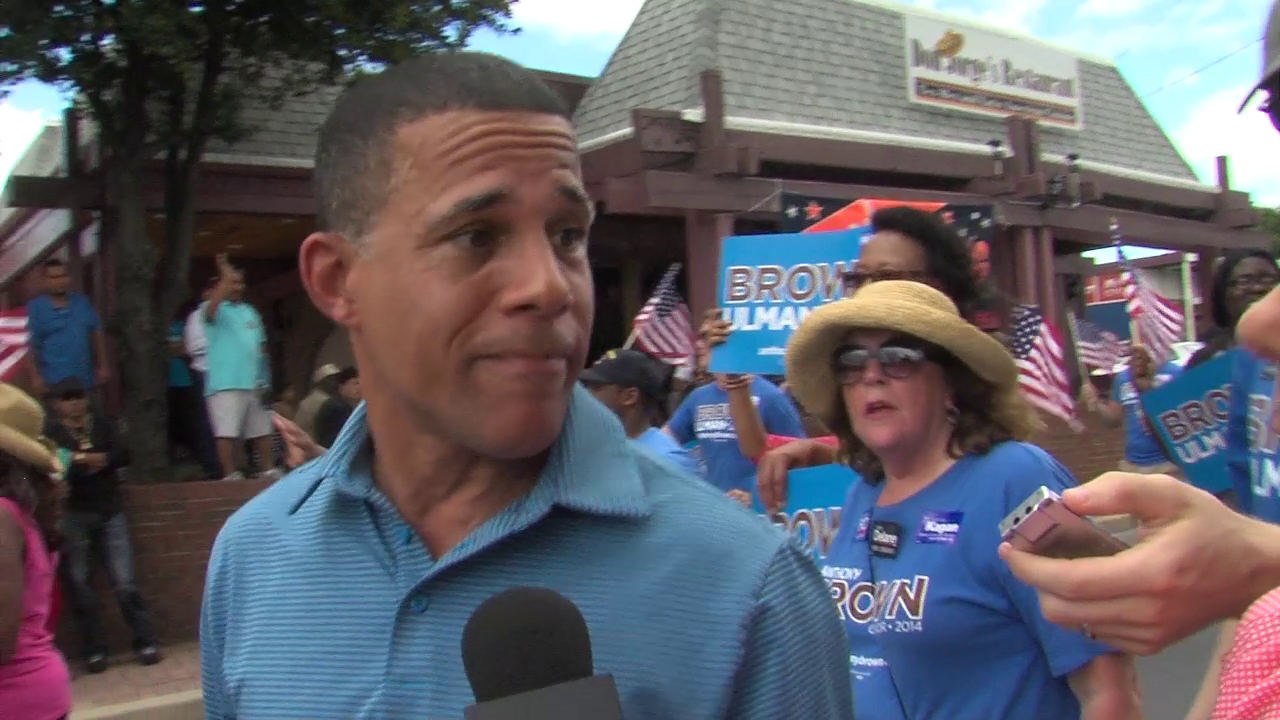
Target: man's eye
x=476 y=238
x=571 y=238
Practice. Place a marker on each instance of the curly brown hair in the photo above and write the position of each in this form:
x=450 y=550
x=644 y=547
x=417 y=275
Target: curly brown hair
x=36 y=493
x=985 y=416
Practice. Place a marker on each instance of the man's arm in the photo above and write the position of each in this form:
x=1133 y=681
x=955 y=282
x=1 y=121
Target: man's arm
x=780 y=415
x=226 y=277
x=796 y=661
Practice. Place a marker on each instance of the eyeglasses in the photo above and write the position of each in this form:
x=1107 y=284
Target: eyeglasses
x=895 y=362
x=857 y=278
x=1264 y=281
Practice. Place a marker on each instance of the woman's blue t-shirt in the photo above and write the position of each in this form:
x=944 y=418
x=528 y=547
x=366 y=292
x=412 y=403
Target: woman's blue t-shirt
x=1251 y=443
x=963 y=638
x=1141 y=447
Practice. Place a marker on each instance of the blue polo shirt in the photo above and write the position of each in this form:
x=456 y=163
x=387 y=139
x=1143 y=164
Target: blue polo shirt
x=62 y=337
x=321 y=602
x=235 y=337
x=665 y=446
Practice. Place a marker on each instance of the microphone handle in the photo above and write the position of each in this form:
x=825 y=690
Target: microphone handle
x=593 y=698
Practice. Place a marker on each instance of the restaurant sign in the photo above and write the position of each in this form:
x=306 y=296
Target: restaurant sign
x=985 y=71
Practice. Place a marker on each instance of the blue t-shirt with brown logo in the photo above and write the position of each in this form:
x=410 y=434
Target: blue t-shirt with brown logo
x=1252 y=460
x=938 y=627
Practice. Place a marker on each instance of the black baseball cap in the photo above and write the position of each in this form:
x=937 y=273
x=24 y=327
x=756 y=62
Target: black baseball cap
x=628 y=368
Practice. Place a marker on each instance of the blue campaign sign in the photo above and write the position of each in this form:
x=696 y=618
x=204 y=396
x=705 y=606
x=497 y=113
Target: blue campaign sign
x=1190 y=414
x=815 y=497
x=769 y=284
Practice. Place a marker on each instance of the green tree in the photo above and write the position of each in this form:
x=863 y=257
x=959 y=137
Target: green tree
x=160 y=79
x=1269 y=220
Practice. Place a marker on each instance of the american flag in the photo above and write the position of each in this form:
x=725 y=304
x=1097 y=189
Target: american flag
x=1042 y=371
x=13 y=342
x=1157 y=319
x=664 y=326
x=1097 y=348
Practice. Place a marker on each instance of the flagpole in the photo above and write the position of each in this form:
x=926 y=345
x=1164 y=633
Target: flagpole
x=631 y=339
x=1188 y=299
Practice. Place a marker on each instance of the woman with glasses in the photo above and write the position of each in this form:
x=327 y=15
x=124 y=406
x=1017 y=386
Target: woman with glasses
x=904 y=244
x=927 y=410
x=1241 y=279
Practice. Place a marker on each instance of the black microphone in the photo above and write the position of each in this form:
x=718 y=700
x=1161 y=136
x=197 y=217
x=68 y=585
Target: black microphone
x=527 y=654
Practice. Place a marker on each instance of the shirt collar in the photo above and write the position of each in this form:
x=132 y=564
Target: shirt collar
x=592 y=467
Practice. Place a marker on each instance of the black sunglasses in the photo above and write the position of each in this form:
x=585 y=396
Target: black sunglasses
x=71 y=396
x=895 y=361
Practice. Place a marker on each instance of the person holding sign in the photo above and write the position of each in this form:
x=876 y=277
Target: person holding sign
x=927 y=410
x=705 y=416
x=1143 y=452
x=753 y=439
x=1252 y=441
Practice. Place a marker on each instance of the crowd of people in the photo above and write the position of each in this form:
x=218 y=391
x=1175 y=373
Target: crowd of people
x=471 y=454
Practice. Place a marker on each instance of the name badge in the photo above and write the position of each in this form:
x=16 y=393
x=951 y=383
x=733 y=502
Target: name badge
x=864 y=524
x=939 y=528
x=886 y=539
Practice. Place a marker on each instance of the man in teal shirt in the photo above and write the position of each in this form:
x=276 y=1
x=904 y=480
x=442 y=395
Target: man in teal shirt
x=234 y=384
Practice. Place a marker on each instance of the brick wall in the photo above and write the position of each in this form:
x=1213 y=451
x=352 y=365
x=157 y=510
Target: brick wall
x=174 y=525
x=1088 y=454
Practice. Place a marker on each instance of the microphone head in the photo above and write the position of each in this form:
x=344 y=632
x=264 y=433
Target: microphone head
x=524 y=639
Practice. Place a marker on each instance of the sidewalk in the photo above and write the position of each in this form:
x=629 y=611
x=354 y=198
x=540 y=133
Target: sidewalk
x=128 y=682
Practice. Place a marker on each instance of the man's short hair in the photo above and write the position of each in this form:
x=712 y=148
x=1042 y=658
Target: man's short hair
x=353 y=161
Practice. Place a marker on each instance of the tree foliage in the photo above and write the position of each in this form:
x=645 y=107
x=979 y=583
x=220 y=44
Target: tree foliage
x=158 y=80
x=1269 y=221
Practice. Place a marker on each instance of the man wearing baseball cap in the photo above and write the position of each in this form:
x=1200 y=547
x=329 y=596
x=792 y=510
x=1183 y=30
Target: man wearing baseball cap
x=322 y=388
x=634 y=386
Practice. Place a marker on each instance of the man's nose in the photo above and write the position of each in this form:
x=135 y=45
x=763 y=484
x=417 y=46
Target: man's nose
x=536 y=276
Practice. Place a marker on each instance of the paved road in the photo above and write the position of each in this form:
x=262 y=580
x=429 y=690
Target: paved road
x=1171 y=679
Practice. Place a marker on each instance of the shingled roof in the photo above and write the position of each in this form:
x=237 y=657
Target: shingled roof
x=286 y=137
x=839 y=64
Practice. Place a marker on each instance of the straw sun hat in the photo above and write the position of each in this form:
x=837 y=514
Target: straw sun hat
x=22 y=429
x=902 y=306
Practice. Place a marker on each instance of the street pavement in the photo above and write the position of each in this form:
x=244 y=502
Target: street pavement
x=1171 y=679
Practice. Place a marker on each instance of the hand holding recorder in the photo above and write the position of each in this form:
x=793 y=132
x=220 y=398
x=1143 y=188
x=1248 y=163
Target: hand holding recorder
x=1198 y=562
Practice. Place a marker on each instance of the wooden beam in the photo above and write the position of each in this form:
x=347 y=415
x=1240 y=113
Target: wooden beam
x=1151 y=230
x=659 y=189
x=215 y=192
x=641 y=193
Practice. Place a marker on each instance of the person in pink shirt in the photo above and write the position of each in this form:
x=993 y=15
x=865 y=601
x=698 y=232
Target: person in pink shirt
x=34 y=681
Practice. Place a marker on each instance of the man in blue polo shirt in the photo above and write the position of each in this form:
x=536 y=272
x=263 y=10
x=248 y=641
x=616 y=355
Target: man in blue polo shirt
x=65 y=334
x=452 y=246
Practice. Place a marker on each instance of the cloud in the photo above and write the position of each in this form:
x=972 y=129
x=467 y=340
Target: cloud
x=599 y=21
x=1111 y=9
x=1214 y=128
x=17 y=129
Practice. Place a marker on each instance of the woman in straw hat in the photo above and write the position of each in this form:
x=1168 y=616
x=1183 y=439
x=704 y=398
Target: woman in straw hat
x=927 y=410
x=34 y=681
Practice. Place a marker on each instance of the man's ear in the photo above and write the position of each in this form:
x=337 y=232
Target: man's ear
x=629 y=396
x=324 y=262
